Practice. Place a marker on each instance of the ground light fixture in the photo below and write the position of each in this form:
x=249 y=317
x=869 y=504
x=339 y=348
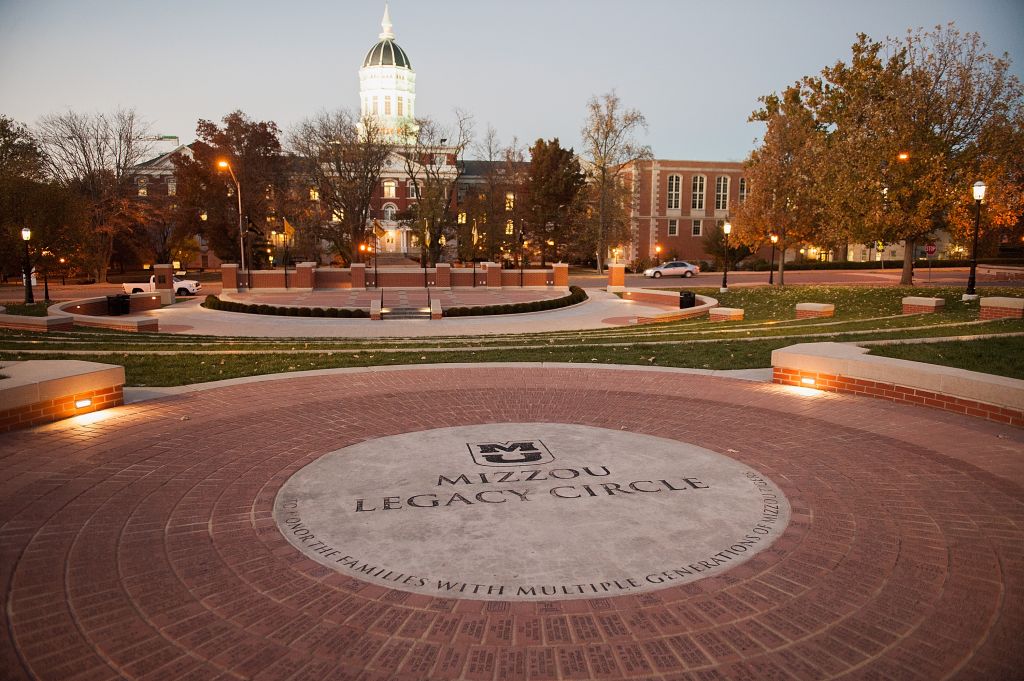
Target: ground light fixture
x=726 y=229
x=26 y=236
x=978 y=192
x=774 y=238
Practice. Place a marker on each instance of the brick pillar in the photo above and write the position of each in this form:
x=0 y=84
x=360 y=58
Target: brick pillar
x=616 y=275
x=305 y=276
x=164 y=282
x=443 y=276
x=229 y=277
x=358 y=276
x=493 y=274
x=560 y=275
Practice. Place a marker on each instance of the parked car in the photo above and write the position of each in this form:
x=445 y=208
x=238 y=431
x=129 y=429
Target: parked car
x=182 y=287
x=675 y=268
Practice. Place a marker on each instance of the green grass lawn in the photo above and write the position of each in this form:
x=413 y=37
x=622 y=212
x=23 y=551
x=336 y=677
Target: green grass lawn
x=31 y=310
x=862 y=313
x=1000 y=356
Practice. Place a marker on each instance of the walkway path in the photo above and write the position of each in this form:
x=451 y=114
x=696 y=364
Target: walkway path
x=140 y=543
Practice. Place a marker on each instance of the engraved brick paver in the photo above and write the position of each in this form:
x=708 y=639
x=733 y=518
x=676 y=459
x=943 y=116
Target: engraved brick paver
x=142 y=545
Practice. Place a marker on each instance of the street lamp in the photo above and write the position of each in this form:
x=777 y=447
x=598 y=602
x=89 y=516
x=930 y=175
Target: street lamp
x=978 y=190
x=26 y=235
x=657 y=252
x=726 y=228
x=771 y=270
x=238 y=193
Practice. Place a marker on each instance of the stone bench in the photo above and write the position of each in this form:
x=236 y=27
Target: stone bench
x=43 y=324
x=133 y=324
x=1001 y=308
x=847 y=368
x=41 y=391
x=919 y=305
x=807 y=310
x=435 y=309
x=375 y=310
x=725 y=314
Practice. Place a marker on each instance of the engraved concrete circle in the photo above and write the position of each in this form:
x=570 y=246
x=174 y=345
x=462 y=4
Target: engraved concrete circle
x=528 y=511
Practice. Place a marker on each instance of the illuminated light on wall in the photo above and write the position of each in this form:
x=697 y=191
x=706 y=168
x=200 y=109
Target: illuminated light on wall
x=83 y=403
x=807 y=381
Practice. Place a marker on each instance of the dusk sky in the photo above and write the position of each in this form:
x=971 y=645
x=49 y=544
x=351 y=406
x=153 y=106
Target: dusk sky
x=695 y=69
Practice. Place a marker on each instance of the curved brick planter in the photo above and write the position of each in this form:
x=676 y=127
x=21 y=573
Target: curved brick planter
x=670 y=298
x=143 y=545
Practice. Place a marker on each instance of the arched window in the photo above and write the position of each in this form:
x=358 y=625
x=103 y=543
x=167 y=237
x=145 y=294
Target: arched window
x=722 y=192
x=697 y=193
x=390 y=211
x=390 y=189
x=673 y=192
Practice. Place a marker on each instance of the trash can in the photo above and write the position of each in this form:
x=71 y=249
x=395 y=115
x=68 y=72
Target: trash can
x=119 y=304
x=687 y=299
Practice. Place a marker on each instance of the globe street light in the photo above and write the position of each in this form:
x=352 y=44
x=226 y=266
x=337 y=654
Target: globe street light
x=26 y=235
x=771 y=269
x=978 y=190
x=238 y=193
x=726 y=229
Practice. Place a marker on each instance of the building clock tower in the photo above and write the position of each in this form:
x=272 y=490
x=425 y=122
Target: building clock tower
x=387 y=84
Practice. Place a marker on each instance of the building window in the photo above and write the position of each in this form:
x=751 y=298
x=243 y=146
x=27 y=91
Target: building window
x=314 y=194
x=744 y=189
x=337 y=216
x=172 y=188
x=413 y=190
x=673 y=227
x=400 y=104
x=510 y=228
x=696 y=230
x=387 y=106
x=462 y=217
x=376 y=107
x=510 y=200
x=673 y=192
x=390 y=210
x=440 y=160
x=722 y=193
x=697 y=193
x=141 y=183
x=390 y=187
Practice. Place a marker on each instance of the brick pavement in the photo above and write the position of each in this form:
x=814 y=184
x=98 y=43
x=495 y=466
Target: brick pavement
x=142 y=545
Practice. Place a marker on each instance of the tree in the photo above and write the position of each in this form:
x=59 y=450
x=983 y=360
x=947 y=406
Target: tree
x=207 y=203
x=92 y=156
x=491 y=202
x=20 y=154
x=554 y=181
x=434 y=161
x=785 y=195
x=610 y=148
x=345 y=161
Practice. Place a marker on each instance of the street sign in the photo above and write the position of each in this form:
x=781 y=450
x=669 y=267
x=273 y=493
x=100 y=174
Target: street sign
x=930 y=249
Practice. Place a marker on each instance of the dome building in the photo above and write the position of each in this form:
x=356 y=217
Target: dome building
x=387 y=83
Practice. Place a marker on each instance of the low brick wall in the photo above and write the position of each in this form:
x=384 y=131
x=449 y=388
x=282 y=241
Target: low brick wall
x=808 y=310
x=510 y=278
x=844 y=368
x=1001 y=308
x=725 y=314
x=919 y=305
x=666 y=298
x=92 y=312
x=42 y=391
x=674 y=315
x=43 y=324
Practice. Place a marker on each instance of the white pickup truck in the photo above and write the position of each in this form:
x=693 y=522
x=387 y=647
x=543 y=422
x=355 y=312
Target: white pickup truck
x=182 y=287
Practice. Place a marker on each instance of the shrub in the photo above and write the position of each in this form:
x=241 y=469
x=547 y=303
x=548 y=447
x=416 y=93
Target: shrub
x=293 y=312
x=318 y=312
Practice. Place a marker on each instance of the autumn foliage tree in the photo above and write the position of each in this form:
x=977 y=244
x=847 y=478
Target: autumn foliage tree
x=553 y=186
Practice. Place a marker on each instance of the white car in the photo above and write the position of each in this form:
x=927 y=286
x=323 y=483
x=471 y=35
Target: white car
x=182 y=287
x=675 y=268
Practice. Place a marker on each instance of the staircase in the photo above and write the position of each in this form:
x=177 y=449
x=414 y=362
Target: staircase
x=405 y=304
x=405 y=313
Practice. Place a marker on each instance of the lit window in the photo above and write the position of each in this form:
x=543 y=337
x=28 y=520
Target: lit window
x=141 y=182
x=314 y=194
x=673 y=192
x=697 y=193
x=413 y=191
x=390 y=187
x=387 y=106
x=337 y=216
x=390 y=210
x=510 y=200
x=696 y=228
x=510 y=228
x=462 y=217
x=172 y=188
x=721 y=193
x=673 y=227
x=744 y=189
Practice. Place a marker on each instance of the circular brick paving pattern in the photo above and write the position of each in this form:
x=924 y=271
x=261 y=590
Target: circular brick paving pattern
x=142 y=545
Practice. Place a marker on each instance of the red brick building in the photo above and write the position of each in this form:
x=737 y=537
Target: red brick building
x=676 y=203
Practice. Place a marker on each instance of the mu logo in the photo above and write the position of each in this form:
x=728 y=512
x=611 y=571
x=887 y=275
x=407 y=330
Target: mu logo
x=511 y=453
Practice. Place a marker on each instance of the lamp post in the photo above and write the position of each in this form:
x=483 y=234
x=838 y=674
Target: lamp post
x=26 y=235
x=241 y=227
x=522 y=243
x=978 y=191
x=771 y=269
x=726 y=228
x=63 y=271
x=657 y=253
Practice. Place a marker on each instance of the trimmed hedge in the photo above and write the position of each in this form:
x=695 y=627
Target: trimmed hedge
x=214 y=303
x=576 y=295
